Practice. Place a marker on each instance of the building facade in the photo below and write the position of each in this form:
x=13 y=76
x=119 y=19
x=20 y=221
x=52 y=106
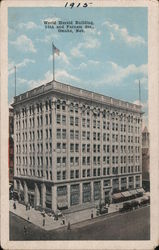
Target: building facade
x=74 y=146
x=145 y=158
x=11 y=145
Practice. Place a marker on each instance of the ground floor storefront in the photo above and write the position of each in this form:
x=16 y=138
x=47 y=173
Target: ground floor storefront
x=53 y=196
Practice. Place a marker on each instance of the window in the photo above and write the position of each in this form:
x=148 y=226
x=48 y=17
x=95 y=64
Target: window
x=58 y=160
x=88 y=148
x=77 y=134
x=58 y=118
x=88 y=135
x=88 y=173
x=76 y=121
x=72 y=174
x=77 y=160
x=83 y=173
x=71 y=147
x=58 y=146
x=58 y=175
x=83 y=135
x=64 y=160
x=77 y=174
x=77 y=147
x=58 y=133
x=64 y=134
x=88 y=123
x=71 y=121
x=104 y=171
x=64 y=106
x=84 y=160
x=46 y=119
x=83 y=148
x=71 y=160
x=83 y=122
x=63 y=120
x=64 y=175
x=94 y=172
x=72 y=134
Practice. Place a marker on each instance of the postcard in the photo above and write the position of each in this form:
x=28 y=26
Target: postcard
x=79 y=124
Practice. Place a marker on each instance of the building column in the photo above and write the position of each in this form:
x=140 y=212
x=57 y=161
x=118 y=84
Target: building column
x=141 y=180
x=37 y=195
x=102 y=191
x=15 y=184
x=25 y=193
x=92 y=192
x=54 y=198
x=43 y=195
x=68 y=195
x=119 y=183
x=134 y=181
x=81 y=193
x=127 y=182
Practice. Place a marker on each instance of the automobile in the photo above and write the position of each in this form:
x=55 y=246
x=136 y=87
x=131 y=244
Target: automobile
x=102 y=210
x=126 y=207
x=58 y=213
x=144 y=202
x=135 y=204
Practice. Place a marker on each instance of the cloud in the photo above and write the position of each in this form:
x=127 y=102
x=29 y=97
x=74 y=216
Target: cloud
x=28 y=26
x=62 y=56
x=47 y=38
x=22 y=64
x=24 y=44
x=63 y=75
x=143 y=81
x=119 y=73
x=90 y=42
x=76 y=52
x=124 y=34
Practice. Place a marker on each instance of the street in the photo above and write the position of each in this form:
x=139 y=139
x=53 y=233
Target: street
x=134 y=225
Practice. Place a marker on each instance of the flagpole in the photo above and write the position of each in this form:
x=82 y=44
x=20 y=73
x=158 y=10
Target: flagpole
x=53 y=62
x=15 y=79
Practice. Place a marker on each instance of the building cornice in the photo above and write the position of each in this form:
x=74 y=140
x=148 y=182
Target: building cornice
x=55 y=87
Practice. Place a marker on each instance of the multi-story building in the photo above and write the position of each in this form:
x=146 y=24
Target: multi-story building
x=145 y=159
x=11 y=145
x=73 y=146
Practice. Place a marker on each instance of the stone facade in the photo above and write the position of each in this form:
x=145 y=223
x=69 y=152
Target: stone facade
x=74 y=146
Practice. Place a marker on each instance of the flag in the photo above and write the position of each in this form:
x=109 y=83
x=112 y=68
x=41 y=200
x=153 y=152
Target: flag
x=56 y=50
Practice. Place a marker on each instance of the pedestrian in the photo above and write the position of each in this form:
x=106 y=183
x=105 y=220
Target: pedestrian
x=14 y=205
x=91 y=214
x=69 y=226
x=28 y=218
x=43 y=222
x=25 y=230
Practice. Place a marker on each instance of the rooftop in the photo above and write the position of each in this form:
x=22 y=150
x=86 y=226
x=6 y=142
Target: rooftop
x=68 y=90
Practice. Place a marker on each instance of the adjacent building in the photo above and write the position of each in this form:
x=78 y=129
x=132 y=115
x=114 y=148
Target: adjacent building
x=73 y=146
x=146 y=159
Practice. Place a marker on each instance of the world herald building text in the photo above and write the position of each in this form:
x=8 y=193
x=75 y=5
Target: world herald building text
x=73 y=146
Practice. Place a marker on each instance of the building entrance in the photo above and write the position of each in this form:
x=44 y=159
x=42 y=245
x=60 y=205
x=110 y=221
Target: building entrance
x=31 y=199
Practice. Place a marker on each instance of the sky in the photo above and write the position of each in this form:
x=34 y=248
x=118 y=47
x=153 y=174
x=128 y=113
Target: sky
x=108 y=59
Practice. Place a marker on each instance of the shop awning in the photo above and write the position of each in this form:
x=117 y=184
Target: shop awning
x=117 y=196
x=140 y=190
x=133 y=192
x=62 y=204
x=126 y=194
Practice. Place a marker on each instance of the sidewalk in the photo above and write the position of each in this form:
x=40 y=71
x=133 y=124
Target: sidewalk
x=36 y=217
